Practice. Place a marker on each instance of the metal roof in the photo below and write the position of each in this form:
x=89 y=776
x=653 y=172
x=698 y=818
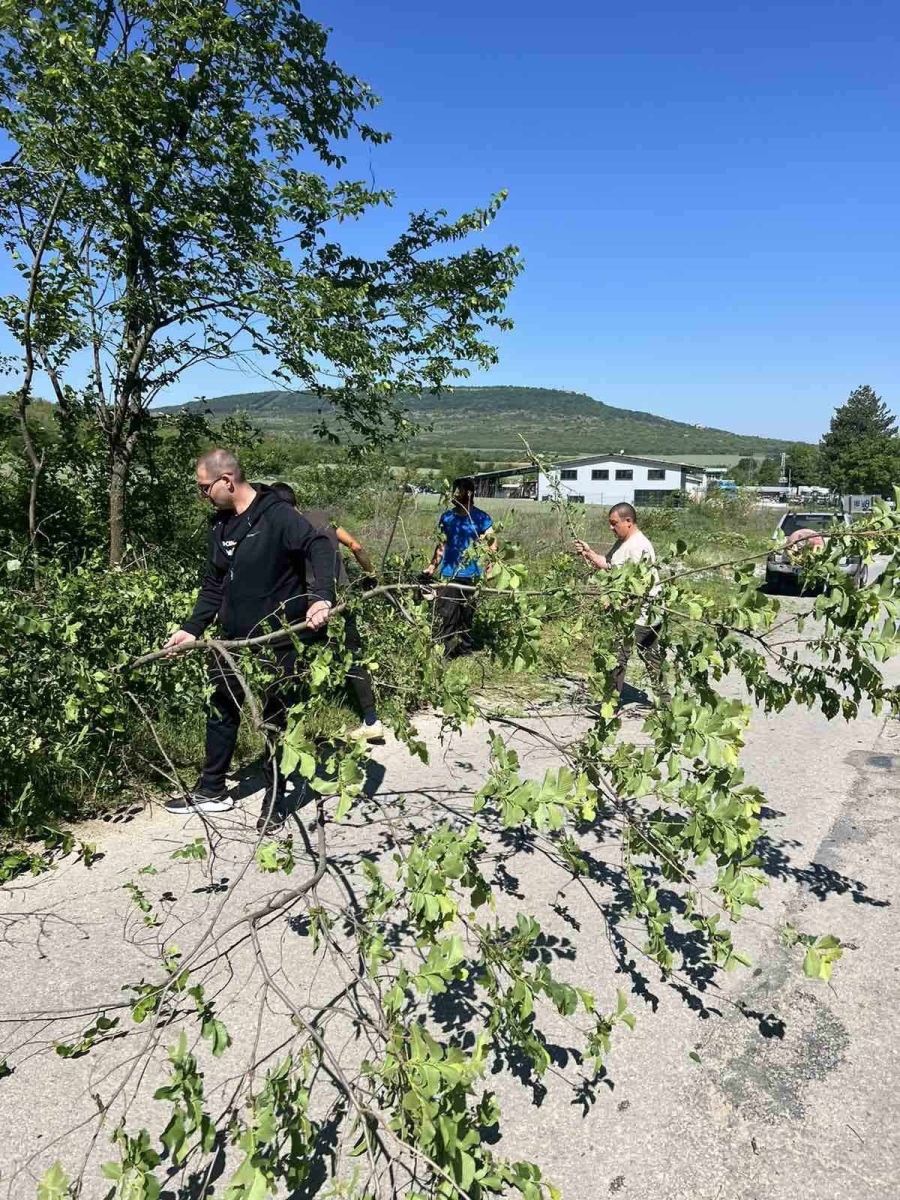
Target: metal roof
x=526 y=470
x=623 y=458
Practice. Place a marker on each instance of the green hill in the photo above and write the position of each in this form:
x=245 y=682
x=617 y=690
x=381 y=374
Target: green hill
x=489 y=420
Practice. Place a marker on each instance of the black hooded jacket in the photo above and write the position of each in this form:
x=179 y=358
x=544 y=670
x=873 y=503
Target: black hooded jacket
x=255 y=576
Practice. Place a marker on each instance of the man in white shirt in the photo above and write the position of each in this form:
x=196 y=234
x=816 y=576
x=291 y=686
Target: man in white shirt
x=630 y=546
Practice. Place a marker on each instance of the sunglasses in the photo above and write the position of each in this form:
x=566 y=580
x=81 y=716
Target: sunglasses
x=205 y=488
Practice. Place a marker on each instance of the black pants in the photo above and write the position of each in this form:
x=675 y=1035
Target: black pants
x=455 y=611
x=358 y=675
x=224 y=717
x=646 y=639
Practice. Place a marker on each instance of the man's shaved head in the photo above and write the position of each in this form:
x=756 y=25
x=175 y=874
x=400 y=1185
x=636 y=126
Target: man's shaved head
x=221 y=462
x=625 y=511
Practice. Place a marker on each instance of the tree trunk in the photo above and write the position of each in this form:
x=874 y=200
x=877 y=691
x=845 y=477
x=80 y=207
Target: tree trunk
x=121 y=457
x=117 y=478
x=35 y=460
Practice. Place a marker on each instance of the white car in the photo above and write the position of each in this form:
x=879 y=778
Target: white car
x=783 y=567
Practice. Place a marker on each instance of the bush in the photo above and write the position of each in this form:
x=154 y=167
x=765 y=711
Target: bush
x=70 y=733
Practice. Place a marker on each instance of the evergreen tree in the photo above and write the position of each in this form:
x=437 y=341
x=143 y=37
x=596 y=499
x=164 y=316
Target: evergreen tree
x=860 y=453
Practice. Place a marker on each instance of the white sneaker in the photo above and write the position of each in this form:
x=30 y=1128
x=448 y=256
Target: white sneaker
x=367 y=733
x=194 y=802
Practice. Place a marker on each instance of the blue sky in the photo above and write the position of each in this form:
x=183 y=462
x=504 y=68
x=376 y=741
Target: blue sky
x=706 y=197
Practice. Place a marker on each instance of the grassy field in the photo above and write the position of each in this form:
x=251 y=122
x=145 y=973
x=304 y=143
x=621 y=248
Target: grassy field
x=713 y=534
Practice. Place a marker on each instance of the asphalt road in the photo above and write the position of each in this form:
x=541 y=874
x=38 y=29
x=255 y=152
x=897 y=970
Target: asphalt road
x=795 y=1093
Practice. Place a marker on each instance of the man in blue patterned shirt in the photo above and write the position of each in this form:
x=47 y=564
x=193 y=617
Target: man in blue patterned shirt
x=462 y=527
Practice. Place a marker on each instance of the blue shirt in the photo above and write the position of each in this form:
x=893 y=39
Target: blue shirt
x=461 y=530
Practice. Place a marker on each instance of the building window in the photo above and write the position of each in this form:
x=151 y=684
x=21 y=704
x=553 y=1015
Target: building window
x=656 y=498
x=624 y=474
x=655 y=474
x=568 y=474
x=600 y=474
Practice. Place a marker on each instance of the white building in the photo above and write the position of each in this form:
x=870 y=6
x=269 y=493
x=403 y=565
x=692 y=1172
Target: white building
x=617 y=478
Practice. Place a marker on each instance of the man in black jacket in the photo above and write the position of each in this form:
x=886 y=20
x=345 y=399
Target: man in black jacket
x=255 y=580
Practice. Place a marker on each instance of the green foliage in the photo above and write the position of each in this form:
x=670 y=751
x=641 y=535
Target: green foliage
x=195 y=850
x=769 y=473
x=184 y=1092
x=132 y=1176
x=275 y=1134
x=70 y=733
x=54 y=1184
x=745 y=472
x=804 y=465
x=17 y=858
x=821 y=952
x=460 y=463
x=275 y=856
x=860 y=453
x=364 y=484
x=100 y=1030
x=142 y=904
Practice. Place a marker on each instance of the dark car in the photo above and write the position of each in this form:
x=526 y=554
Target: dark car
x=784 y=566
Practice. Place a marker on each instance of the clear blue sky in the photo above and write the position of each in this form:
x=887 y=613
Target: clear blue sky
x=706 y=196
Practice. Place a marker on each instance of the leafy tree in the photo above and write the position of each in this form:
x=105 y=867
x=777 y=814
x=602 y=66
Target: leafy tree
x=860 y=453
x=804 y=464
x=769 y=473
x=161 y=207
x=745 y=472
x=239 y=433
x=867 y=468
x=463 y=462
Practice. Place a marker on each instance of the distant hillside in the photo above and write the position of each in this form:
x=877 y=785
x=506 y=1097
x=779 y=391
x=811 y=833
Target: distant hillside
x=490 y=419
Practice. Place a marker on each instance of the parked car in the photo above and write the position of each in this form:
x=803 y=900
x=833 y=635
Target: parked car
x=784 y=566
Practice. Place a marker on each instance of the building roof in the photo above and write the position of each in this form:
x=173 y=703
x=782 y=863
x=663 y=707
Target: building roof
x=713 y=460
x=507 y=471
x=624 y=458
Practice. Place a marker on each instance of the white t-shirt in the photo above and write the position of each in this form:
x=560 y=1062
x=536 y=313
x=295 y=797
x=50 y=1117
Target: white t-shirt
x=633 y=549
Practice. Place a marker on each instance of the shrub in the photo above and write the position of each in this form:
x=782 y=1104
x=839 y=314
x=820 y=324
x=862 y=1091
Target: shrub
x=70 y=732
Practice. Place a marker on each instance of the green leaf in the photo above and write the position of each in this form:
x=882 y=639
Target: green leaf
x=195 y=850
x=267 y=856
x=54 y=1184
x=216 y=1033
x=344 y=805
x=174 y=1139
x=812 y=964
x=465 y=1170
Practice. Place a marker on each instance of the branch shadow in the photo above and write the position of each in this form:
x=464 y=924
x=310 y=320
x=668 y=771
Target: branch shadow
x=820 y=880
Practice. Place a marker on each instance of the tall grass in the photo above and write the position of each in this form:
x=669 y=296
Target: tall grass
x=713 y=531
